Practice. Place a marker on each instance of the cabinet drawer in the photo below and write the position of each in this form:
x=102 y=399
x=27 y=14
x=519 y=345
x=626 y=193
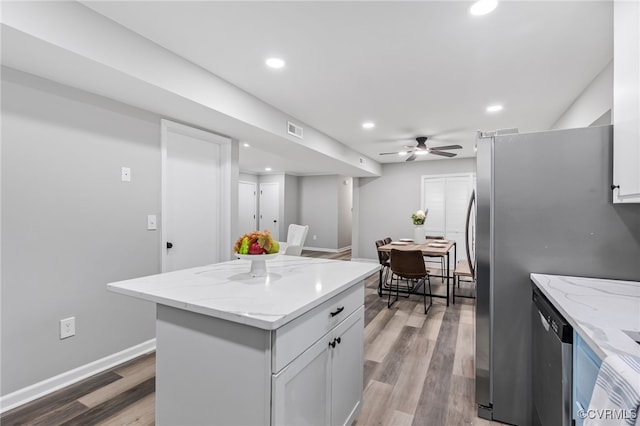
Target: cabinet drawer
x=293 y=338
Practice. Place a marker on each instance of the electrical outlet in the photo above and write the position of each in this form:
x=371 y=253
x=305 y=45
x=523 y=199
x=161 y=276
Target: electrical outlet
x=67 y=327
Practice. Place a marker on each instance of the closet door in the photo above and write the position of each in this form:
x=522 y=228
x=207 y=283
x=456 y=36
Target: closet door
x=447 y=198
x=434 y=199
x=458 y=191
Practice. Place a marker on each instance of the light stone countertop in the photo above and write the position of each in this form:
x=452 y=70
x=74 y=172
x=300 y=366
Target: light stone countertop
x=598 y=309
x=293 y=286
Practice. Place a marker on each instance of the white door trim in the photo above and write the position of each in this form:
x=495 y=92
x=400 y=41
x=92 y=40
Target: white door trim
x=225 y=183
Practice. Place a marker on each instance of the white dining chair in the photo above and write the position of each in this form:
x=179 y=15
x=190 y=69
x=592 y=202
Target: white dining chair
x=296 y=235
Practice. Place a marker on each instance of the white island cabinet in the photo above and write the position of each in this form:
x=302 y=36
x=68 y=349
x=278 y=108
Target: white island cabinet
x=284 y=349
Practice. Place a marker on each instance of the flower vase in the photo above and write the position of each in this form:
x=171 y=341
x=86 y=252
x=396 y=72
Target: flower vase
x=418 y=234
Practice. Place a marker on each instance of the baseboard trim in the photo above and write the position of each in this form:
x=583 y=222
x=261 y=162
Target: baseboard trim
x=328 y=250
x=40 y=389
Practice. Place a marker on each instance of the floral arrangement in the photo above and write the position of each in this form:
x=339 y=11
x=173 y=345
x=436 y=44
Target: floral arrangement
x=256 y=242
x=419 y=217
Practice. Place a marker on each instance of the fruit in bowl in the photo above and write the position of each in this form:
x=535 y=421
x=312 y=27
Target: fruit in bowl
x=256 y=243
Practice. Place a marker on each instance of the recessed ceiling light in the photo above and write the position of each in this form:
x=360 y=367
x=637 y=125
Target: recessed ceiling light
x=275 y=63
x=494 y=108
x=368 y=125
x=268 y=169
x=482 y=7
x=246 y=145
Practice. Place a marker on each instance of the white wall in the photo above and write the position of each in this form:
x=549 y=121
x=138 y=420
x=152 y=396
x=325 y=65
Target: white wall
x=591 y=105
x=385 y=204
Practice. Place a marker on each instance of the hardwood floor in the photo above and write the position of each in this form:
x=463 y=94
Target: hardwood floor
x=418 y=370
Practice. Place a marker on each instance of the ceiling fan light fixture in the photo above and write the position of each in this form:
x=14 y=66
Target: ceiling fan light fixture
x=483 y=7
x=422 y=152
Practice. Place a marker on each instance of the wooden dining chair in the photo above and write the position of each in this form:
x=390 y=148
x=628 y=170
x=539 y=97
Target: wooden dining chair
x=463 y=270
x=409 y=265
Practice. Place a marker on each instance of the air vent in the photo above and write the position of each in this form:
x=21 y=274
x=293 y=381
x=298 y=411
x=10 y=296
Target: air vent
x=294 y=130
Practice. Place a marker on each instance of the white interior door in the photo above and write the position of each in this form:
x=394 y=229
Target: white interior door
x=195 y=198
x=270 y=208
x=247 y=207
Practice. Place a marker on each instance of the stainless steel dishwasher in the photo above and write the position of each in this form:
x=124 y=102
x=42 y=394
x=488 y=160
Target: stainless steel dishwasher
x=552 y=343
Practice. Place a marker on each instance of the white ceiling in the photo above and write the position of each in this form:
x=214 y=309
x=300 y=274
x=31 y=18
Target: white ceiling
x=414 y=68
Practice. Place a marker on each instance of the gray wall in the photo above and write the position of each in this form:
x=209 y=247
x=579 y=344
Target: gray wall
x=345 y=197
x=69 y=226
x=248 y=177
x=385 y=203
x=591 y=104
x=318 y=197
x=291 y=202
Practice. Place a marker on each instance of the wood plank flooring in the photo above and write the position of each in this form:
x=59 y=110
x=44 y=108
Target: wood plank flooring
x=418 y=370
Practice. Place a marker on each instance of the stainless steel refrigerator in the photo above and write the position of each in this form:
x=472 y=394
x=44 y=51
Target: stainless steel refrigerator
x=544 y=205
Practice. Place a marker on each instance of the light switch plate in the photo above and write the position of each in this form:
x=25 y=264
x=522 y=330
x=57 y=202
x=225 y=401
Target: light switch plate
x=152 y=222
x=126 y=174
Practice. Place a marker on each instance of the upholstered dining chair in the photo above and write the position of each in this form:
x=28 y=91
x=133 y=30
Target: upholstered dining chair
x=432 y=259
x=383 y=258
x=409 y=265
x=296 y=235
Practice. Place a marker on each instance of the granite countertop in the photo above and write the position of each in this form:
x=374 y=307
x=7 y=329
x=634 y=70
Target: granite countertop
x=599 y=310
x=293 y=286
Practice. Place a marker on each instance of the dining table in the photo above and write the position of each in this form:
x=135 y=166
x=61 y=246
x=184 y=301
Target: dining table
x=431 y=248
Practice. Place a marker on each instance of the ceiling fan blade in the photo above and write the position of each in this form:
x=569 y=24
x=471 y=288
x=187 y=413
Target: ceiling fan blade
x=442 y=153
x=389 y=153
x=440 y=148
x=411 y=157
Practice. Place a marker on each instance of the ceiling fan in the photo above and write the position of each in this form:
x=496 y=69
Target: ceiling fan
x=421 y=148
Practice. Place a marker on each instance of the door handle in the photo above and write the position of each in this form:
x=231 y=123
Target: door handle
x=169 y=245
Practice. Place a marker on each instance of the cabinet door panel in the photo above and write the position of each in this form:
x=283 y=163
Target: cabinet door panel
x=300 y=392
x=346 y=369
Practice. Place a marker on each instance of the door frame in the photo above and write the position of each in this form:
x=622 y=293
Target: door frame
x=224 y=223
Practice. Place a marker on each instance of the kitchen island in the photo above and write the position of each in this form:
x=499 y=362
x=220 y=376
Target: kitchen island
x=286 y=348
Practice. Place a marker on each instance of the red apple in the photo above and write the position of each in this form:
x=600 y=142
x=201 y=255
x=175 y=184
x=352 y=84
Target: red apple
x=255 y=248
